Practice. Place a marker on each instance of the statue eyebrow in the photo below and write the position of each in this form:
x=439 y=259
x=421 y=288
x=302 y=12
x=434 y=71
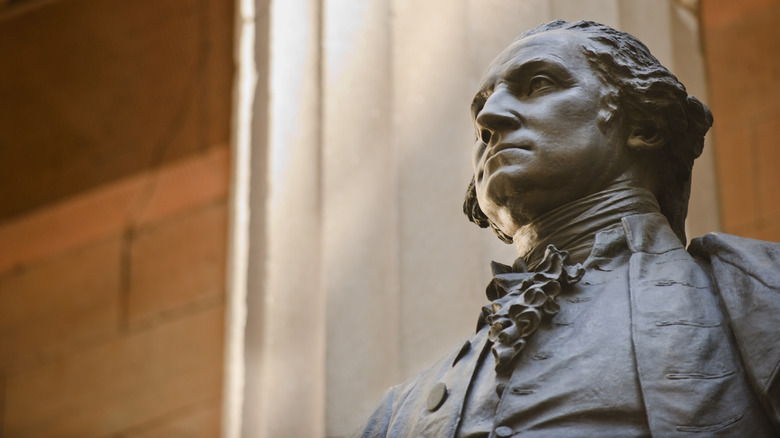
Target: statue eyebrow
x=514 y=72
x=517 y=73
x=553 y=66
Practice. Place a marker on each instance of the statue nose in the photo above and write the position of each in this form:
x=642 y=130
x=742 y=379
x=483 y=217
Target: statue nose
x=499 y=114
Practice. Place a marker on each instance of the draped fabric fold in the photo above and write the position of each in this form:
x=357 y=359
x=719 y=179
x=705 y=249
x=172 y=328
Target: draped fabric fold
x=520 y=300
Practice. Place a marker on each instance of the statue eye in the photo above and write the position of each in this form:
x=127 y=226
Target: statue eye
x=539 y=83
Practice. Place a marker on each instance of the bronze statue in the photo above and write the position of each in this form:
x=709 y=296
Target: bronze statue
x=605 y=325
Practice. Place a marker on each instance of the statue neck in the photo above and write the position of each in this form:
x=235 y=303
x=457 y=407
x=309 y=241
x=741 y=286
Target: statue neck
x=573 y=226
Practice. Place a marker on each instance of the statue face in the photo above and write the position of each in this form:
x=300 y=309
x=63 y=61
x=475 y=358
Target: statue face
x=540 y=144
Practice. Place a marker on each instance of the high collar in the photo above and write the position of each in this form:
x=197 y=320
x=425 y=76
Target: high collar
x=573 y=226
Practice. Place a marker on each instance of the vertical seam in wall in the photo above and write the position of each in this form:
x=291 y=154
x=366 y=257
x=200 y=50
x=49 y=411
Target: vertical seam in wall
x=125 y=278
x=162 y=145
x=322 y=298
x=396 y=289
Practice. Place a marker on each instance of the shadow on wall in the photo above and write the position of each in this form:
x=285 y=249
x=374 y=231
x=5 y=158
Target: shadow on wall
x=114 y=167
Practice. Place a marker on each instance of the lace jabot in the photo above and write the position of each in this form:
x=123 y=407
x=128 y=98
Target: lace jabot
x=521 y=298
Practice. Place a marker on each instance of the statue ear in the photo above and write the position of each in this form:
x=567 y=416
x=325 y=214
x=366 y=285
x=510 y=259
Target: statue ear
x=645 y=138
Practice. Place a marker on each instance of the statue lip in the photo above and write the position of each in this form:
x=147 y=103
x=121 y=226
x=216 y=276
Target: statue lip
x=491 y=153
x=504 y=146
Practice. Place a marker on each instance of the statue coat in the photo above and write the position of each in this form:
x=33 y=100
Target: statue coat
x=704 y=326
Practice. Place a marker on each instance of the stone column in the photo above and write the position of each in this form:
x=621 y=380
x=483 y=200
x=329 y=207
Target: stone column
x=371 y=270
x=359 y=255
x=285 y=348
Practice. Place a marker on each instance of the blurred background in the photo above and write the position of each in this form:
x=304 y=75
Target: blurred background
x=243 y=218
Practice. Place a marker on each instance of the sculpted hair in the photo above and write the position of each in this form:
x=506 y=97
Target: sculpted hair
x=644 y=93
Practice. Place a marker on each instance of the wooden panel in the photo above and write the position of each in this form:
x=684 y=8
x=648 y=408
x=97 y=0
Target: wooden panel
x=768 y=168
x=49 y=307
x=198 y=180
x=769 y=231
x=219 y=73
x=199 y=422
x=742 y=40
x=178 y=262
x=95 y=90
x=125 y=382
x=69 y=224
x=743 y=65
x=724 y=12
x=142 y=199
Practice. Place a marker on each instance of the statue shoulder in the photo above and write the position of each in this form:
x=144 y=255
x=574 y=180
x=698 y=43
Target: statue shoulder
x=746 y=273
x=738 y=251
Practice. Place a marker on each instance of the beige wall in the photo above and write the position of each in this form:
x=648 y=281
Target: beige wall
x=373 y=272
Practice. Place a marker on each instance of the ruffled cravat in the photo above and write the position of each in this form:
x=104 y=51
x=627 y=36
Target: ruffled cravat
x=521 y=298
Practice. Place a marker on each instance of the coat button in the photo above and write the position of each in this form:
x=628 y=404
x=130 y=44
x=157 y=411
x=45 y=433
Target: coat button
x=437 y=396
x=504 y=432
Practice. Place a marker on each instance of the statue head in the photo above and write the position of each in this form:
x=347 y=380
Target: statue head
x=570 y=109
